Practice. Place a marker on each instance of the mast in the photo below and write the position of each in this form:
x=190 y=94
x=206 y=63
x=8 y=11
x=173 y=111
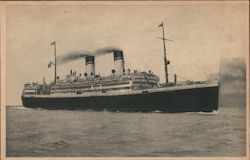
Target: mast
x=54 y=43
x=166 y=62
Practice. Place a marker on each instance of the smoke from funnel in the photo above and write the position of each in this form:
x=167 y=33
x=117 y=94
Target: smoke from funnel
x=105 y=50
x=75 y=55
x=72 y=56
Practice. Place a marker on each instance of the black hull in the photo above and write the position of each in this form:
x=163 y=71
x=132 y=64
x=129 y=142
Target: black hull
x=188 y=100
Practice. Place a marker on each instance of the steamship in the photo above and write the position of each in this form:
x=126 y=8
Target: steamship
x=123 y=90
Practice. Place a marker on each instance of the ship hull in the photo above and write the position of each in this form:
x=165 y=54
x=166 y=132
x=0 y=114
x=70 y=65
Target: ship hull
x=187 y=100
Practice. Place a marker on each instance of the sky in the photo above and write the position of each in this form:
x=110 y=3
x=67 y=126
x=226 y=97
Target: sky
x=202 y=35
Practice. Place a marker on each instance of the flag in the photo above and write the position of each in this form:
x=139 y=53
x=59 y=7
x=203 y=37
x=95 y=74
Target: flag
x=53 y=43
x=161 y=25
x=49 y=65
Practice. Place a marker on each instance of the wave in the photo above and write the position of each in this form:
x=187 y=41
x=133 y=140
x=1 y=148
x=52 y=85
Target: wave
x=39 y=108
x=209 y=113
x=213 y=113
x=114 y=111
x=157 y=111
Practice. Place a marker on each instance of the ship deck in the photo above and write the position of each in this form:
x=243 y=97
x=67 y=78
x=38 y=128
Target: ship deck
x=124 y=92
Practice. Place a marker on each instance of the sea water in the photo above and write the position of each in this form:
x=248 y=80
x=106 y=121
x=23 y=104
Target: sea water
x=54 y=133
